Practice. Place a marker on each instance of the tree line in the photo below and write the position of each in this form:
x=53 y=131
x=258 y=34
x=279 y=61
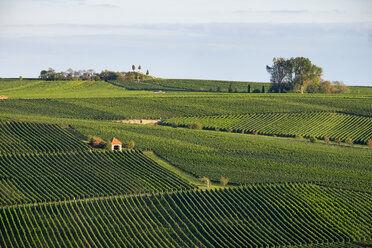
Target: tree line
x=91 y=75
x=300 y=75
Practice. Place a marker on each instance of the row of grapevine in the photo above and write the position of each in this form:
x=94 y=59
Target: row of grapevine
x=22 y=137
x=255 y=216
x=177 y=104
x=336 y=126
x=58 y=176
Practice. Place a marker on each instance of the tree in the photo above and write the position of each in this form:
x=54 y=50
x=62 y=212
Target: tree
x=130 y=145
x=224 y=181
x=133 y=67
x=139 y=67
x=249 y=88
x=110 y=75
x=236 y=90
x=195 y=125
x=48 y=75
x=326 y=87
x=294 y=75
x=230 y=90
x=349 y=142
x=281 y=74
x=96 y=142
x=263 y=89
x=43 y=74
x=206 y=181
x=340 y=87
x=218 y=89
x=147 y=73
x=20 y=78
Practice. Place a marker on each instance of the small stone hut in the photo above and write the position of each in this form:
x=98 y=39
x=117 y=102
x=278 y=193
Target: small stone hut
x=116 y=145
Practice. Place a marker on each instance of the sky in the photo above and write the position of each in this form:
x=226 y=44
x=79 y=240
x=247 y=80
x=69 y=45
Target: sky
x=200 y=39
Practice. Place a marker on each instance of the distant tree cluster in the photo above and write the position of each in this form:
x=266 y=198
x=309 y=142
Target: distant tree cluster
x=300 y=75
x=91 y=75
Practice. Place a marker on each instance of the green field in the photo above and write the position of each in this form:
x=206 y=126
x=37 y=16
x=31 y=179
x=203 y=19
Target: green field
x=335 y=126
x=264 y=216
x=190 y=85
x=244 y=158
x=52 y=177
x=103 y=101
x=23 y=137
x=57 y=191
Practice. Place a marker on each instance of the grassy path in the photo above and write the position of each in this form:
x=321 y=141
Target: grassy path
x=193 y=180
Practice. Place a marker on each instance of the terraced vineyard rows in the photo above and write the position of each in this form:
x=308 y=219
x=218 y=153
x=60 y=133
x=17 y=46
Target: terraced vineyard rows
x=256 y=216
x=59 y=176
x=22 y=137
x=171 y=104
x=320 y=124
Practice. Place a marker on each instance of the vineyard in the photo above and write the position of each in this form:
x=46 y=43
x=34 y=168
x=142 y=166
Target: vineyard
x=189 y=85
x=23 y=137
x=255 y=216
x=60 y=176
x=335 y=126
x=57 y=191
x=136 y=105
x=246 y=159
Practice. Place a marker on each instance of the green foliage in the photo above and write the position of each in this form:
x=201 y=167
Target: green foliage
x=24 y=137
x=96 y=142
x=131 y=77
x=300 y=137
x=294 y=75
x=41 y=90
x=245 y=158
x=58 y=176
x=320 y=124
x=256 y=91
x=110 y=75
x=313 y=139
x=206 y=181
x=195 y=125
x=186 y=85
x=101 y=100
x=131 y=144
x=257 y=216
x=224 y=181
x=349 y=141
x=230 y=90
x=299 y=75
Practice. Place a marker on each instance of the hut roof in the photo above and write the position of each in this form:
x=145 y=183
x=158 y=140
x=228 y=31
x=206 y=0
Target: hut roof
x=115 y=141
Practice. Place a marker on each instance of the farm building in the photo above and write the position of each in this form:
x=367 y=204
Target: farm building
x=116 y=144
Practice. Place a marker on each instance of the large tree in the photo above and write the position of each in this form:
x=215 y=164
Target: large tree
x=294 y=75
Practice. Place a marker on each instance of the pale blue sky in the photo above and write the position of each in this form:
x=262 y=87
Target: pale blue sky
x=209 y=39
